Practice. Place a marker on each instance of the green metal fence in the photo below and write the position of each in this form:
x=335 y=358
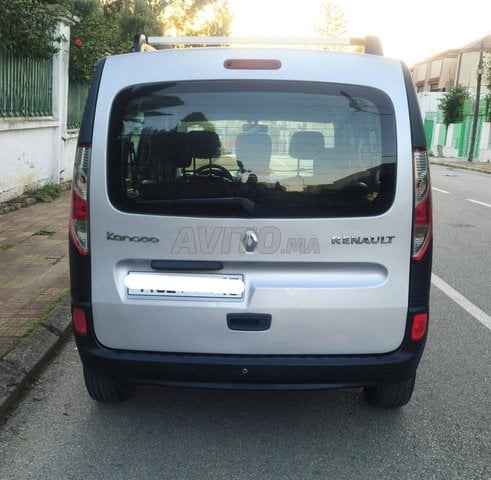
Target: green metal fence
x=77 y=94
x=25 y=86
x=428 y=126
x=465 y=140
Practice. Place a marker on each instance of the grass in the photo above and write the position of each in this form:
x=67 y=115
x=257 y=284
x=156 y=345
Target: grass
x=36 y=323
x=44 y=233
x=46 y=192
x=43 y=316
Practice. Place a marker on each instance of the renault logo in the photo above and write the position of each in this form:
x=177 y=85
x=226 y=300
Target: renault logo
x=249 y=241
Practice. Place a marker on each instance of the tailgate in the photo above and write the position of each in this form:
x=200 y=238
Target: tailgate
x=251 y=214
x=337 y=298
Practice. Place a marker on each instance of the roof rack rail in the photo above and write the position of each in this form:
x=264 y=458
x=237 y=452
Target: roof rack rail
x=371 y=44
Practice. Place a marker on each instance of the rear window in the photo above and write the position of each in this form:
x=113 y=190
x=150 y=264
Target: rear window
x=264 y=149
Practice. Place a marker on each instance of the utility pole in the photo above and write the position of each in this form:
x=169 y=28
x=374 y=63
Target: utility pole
x=480 y=70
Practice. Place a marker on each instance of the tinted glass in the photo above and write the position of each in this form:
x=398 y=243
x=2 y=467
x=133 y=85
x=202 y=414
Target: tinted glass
x=260 y=149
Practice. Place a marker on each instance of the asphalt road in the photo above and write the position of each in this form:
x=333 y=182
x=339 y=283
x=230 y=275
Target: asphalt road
x=57 y=432
x=462 y=255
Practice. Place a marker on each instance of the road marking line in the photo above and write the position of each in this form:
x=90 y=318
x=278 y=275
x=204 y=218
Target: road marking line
x=459 y=299
x=478 y=202
x=439 y=190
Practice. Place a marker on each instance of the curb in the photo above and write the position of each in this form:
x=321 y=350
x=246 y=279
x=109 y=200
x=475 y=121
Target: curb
x=460 y=167
x=21 y=365
x=22 y=201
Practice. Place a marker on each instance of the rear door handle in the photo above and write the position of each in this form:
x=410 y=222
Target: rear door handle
x=249 y=322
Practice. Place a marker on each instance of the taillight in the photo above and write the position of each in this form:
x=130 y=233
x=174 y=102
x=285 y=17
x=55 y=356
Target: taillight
x=79 y=217
x=422 y=221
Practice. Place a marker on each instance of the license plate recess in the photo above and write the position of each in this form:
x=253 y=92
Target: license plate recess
x=144 y=284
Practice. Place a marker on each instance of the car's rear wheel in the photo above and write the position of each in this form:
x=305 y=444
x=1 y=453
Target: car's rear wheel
x=106 y=390
x=394 y=395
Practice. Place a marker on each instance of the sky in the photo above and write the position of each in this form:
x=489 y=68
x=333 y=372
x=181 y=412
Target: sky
x=411 y=30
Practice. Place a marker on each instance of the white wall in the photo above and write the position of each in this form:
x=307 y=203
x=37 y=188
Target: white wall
x=485 y=144
x=450 y=149
x=429 y=101
x=36 y=151
x=27 y=152
x=69 y=146
x=435 y=146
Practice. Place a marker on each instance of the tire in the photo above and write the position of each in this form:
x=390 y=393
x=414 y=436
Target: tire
x=394 y=395
x=106 y=390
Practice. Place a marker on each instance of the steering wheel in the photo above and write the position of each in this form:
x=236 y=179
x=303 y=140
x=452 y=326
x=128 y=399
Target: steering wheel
x=214 y=170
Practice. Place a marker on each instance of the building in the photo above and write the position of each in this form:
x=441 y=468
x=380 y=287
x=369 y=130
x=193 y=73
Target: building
x=437 y=73
x=441 y=72
x=466 y=74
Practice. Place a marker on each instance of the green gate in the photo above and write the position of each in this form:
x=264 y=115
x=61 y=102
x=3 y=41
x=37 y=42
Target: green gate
x=465 y=134
x=429 y=123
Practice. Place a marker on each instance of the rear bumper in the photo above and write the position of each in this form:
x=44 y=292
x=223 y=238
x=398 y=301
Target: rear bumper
x=250 y=372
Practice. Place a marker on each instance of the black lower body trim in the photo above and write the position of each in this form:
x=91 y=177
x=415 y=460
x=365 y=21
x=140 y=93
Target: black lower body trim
x=251 y=372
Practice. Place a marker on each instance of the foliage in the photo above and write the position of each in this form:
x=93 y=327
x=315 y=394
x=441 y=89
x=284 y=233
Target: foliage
x=108 y=27
x=104 y=27
x=333 y=22
x=135 y=16
x=93 y=37
x=452 y=103
x=487 y=79
x=201 y=17
x=46 y=192
x=28 y=28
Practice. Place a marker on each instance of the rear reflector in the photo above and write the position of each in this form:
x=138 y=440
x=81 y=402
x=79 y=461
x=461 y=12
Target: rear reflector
x=418 y=329
x=79 y=320
x=252 y=64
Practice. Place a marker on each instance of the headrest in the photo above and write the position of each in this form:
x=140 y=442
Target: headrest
x=178 y=150
x=305 y=145
x=253 y=150
x=172 y=147
x=204 y=144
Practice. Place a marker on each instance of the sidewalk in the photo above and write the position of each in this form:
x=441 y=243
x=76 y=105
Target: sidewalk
x=34 y=279
x=461 y=163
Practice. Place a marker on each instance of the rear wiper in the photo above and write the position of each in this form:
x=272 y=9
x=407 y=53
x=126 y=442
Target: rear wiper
x=247 y=204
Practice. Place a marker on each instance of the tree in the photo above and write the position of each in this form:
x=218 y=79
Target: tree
x=201 y=17
x=108 y=26
x=332 y=22
x=28 y=28
x=135 y=16
x=487 y=76
x=452 y=104
x=94 y=36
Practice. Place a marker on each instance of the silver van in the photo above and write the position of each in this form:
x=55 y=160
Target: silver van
x=251 y=218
